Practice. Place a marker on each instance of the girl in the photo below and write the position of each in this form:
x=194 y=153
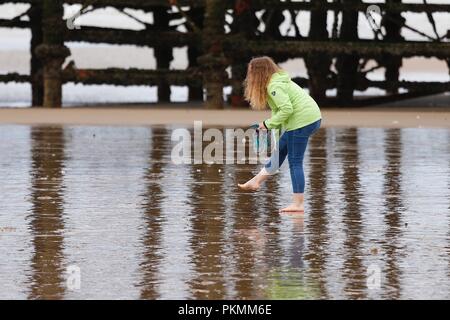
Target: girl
x=293 y=111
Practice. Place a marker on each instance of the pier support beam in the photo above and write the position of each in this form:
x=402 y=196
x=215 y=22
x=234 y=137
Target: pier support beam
x=37 y=82
x=52 y=51
x=195 y=92
x=213 y=61
x=318 y=64
x=347 y=64
x=163 y=52
x=244 y=24
x=448 y=64
x=392 y=22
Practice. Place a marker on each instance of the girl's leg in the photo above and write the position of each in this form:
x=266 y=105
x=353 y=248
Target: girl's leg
x=297 y=143
x=296 y=152
x=275 y=162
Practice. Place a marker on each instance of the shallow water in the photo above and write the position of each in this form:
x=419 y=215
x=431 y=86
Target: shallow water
x=109 y=201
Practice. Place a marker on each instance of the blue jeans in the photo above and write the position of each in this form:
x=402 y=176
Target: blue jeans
x=293 y=145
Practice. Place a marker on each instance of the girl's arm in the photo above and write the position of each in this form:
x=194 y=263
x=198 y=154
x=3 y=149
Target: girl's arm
x=284 y=105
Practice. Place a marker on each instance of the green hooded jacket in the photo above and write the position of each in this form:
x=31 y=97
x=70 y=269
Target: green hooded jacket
x=291 y=106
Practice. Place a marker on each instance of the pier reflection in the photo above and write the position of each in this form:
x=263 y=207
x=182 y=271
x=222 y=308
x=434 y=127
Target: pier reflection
x=207 y=201
x=47 y=213
x=152 y=215
x=354 y=271
x=394 y=208
x=319 y=237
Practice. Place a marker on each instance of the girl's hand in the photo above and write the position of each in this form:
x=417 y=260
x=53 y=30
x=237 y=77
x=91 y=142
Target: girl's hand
x=262 y=126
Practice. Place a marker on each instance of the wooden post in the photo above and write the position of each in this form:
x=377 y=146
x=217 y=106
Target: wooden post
x=347 y=65
x=392 y=23
x=273 y=18
x=318 y=64
x=52 y=51
x=448 y=64
x=244 y=24
x=163 y=51
x=193 y=52
x=213 y=61
x=37 y=82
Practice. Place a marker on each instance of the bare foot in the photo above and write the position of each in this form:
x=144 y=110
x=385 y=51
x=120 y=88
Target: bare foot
x=293 y=208
x=250 y=185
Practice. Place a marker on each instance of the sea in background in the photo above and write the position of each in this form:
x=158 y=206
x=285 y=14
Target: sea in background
x=15 y=57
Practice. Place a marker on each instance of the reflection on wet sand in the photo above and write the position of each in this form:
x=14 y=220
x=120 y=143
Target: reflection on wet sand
x=46 y=217
x=207 y=242
x=152 y=215
x=354 y=272
x=245 y=237
x=188 y=232
x=393 y=211
x=317 y=221
x=448 y=200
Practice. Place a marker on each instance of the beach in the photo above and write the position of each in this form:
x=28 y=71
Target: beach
x=380 y=117
x=118 y=196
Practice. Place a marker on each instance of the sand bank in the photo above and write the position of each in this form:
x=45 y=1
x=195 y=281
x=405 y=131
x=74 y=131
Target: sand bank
x=137 y=115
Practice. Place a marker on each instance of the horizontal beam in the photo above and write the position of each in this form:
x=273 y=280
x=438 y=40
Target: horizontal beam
x=364 y=83
x=121 y=4
x=349 y=6
x=6 y=23
x=416 y=86
x=128 y=77
x=123 y=36
x=138 y=4
x=262 y=4
x=237 y=48
x=14 y=77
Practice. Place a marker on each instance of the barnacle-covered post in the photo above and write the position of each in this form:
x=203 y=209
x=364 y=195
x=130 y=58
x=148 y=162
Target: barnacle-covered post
x=273 y=18
x=318 y=63
x=163 y=50
x=37 y=84
x=213 y=61
x=194 y=51
x=448 y=64
x=244 y=24
x=52 y=52
x=392 y=22
x=347 y=64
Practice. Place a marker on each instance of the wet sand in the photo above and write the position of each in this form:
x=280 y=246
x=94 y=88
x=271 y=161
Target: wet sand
x=110 y=202
x=380 y=117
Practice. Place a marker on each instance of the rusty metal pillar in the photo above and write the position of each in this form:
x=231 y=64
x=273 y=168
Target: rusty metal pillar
x=193 y=52
x=37 y=82
x=244 y=24
x=52 y=52
x=318 y=64
x=393 y=24
x=213 y=62
x=163 y=50
x=347 y=64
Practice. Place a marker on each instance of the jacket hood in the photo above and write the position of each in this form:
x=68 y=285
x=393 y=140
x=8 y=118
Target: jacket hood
x=280 y=76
